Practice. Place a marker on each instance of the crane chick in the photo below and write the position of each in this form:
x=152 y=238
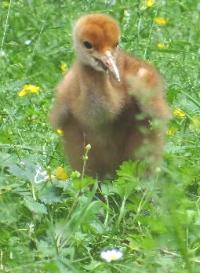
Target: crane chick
x=110 y=100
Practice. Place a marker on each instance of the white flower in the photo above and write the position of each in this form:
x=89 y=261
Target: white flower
x=28 y=42
x=111 y=255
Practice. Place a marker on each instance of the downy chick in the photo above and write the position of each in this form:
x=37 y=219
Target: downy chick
x=110 y=100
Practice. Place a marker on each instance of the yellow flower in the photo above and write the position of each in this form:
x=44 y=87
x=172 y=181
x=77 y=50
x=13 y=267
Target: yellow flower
x=63 y=68
x=149 y=3
x=179 y=113
x=60 y=173
x=59 y=132
x=162 y=46
x=171 y=131
x=28 y=89
x=160 y=21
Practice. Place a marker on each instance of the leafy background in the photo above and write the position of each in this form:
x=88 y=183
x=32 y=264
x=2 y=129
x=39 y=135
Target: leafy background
x=51 y=219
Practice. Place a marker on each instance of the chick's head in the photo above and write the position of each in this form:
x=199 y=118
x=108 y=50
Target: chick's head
x=96 y=38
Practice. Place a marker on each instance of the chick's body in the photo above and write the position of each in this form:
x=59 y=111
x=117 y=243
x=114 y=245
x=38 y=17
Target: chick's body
x=109 y=100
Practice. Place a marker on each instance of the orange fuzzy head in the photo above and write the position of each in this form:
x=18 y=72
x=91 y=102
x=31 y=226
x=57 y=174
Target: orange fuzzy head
x=100 y=30
x=96 y=37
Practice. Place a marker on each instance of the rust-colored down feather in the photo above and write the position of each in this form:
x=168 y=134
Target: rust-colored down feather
x=108 y=99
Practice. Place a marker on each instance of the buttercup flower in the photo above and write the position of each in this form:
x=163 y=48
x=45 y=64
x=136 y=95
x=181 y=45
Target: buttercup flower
x=111 y=255
x=162 y=46
x=59 y=132
x=160 y=21
x=28 y=89
x=179 y=113
x=171 y=131
x=149 y=3
x=60 y=173
x=63 y=68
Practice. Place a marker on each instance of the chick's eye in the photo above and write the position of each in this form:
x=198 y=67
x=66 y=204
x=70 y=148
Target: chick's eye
x=87 y=44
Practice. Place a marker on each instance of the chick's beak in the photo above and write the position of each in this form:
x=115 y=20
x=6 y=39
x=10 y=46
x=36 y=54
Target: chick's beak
x=110 y=63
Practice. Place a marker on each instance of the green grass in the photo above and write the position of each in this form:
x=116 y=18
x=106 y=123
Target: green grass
x=60 y=226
